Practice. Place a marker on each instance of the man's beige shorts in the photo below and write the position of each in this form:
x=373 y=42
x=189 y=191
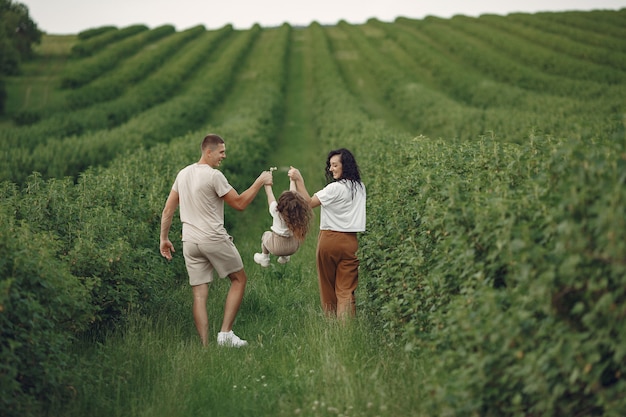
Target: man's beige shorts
x=202 y=259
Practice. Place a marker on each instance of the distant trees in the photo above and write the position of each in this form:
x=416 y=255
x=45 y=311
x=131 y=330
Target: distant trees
x=18 y=34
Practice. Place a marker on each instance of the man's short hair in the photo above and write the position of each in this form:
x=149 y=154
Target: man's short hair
x=211 y=141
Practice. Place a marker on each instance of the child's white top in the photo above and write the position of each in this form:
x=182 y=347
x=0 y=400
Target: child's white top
x=278 y=225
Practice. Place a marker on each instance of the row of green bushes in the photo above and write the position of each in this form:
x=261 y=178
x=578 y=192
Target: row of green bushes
x=80 y=72
x=155 y=88
x=600 y=54
x=466 y=82
x=131 y=71
x=61 y=131
x=505 y=263
x=609 y=22
x=93 y=32
x=546 y=22
x=542 y=59
x=500 y=66
x=455 y=102
x=433 y=91
x=94 y=41
x=85 y=255
x=184 y=112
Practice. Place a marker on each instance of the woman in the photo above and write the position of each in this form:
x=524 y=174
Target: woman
x=342 y=204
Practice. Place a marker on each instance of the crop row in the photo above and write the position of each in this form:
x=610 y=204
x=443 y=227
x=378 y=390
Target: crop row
x=547 y=23
x=94 y=41
x=600 y=53
x=475 y=48
x=608 y=22
x=540 y=56
x=438 y=96
x=161 y=85
x=93 y=32
x=504 y=264
x=187 y=110
x=131 y=71
x=85 y=70
x=70 y=128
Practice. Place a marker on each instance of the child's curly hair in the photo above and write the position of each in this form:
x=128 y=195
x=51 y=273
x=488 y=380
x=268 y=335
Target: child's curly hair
x=296 y=212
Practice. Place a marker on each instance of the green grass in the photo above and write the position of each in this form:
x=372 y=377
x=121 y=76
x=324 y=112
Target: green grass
x=298 y=362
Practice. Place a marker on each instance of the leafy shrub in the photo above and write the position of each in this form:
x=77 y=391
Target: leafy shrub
x=506 y=263
x=90 y=33
x=42 y=306
x=97 y=41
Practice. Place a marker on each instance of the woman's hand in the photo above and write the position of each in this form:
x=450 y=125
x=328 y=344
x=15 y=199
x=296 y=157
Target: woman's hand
x=294 y=174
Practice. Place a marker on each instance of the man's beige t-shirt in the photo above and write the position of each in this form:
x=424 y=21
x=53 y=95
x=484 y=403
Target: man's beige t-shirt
x=200 y=190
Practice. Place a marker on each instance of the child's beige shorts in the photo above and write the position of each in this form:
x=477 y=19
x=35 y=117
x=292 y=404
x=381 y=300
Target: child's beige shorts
x=279 y=245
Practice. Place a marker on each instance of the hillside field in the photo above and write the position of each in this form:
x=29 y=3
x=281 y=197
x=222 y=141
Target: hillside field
x=493 y=268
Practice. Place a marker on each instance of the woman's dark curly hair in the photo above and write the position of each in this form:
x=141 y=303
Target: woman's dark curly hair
x=350 y=169
x=296 y=213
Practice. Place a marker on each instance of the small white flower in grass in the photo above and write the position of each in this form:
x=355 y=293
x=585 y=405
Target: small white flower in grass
x=297 y=411
x=273 y=169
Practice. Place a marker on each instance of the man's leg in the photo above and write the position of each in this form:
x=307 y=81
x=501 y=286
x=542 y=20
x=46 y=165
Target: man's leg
x=200 y=295
x=233 y=299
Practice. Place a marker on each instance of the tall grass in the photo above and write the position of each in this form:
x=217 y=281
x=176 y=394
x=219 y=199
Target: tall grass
x=298 y=361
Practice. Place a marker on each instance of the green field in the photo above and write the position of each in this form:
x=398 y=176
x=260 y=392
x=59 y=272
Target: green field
x=493 y=268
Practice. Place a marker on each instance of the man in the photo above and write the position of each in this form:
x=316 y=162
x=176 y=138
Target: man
x=201 y=190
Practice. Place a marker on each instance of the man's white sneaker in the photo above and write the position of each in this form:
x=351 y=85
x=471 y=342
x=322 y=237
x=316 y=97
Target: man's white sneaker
x=262 y=259
x=283 y=259
x=230 y=339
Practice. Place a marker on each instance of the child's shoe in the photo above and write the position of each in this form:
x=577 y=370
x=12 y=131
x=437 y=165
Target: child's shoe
x=283 y=259
x=262 y=259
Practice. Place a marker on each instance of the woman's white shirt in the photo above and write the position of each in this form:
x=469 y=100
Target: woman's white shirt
x=343 y=208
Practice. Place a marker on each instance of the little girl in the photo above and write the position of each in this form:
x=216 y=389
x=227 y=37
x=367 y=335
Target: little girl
x=291 y=218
